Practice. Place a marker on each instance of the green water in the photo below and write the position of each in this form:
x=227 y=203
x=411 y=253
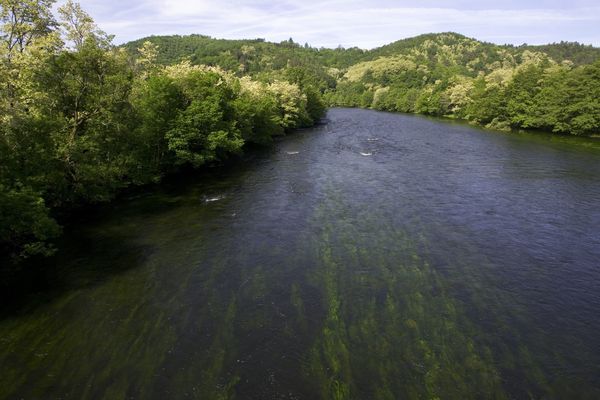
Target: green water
x=450 y=263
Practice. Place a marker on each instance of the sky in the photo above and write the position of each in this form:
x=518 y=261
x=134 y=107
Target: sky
x=364 y=24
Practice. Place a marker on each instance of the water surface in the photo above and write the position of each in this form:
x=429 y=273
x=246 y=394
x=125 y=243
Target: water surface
x=378 y=256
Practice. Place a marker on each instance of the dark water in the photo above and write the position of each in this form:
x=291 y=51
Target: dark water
x=450 y=263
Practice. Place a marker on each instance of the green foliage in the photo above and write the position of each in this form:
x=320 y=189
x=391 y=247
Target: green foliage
x=500 y=87
x=155 y=102
x=577 y=53
x=257 y=113
x=568 y=101
x=205 y=130
x=487 y=102
x=521 y=93
x=432 y=101
x=80 y=122
x=24 y=21
x=88 y=92
x=79 y=27
x=350 y=94
x=25 y=224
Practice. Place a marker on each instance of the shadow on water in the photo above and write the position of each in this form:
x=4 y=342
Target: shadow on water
x=87 y=256
x=40 y=281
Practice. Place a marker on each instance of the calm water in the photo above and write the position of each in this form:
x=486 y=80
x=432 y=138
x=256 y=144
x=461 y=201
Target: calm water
x=378 y=256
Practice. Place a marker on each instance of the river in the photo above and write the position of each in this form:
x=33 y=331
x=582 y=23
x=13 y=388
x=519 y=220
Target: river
x=376 y=256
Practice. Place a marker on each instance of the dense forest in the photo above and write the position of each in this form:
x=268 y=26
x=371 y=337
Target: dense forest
x=553 y=87
x=500 y=87
x=82 y=118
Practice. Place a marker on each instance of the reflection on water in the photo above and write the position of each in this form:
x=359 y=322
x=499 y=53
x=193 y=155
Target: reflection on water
x=448 y=263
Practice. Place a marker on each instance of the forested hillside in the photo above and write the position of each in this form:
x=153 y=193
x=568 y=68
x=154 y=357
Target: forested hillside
x=500 y=87
x=555 y=87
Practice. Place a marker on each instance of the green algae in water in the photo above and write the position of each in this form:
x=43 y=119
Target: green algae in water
x=391 y=330
x=386 y=325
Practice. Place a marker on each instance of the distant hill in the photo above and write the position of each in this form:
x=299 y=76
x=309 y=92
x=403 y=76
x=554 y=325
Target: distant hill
x=578 y=53
x=553 y=87
x=257 y=54
x=251 y=54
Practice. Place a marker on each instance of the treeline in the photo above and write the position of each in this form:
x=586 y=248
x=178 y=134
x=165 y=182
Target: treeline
x=552 y=87
x=577 y=53
x=247 y=56
x=82 y=119
x=498 y=87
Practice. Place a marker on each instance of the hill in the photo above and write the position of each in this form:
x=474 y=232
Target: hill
x=253 y=55
x=552 y=87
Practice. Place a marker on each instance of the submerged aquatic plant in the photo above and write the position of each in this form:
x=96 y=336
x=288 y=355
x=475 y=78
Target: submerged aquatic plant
x=390 y=330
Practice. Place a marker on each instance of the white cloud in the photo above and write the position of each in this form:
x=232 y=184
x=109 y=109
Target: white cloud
x=350 y=23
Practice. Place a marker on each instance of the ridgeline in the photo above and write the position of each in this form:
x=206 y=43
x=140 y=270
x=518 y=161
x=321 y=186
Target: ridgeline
x=553 y=87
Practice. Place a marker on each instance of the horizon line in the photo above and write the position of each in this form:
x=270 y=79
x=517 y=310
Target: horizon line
x=340 y=46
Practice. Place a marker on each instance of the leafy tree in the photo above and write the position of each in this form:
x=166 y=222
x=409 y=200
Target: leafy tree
x=89 y=89
x=521 y=93
x=23 y=21
x=257 y=112
x=291 y=104
x=146 y=61
x=487 y=102
x=432 y=101
x=25 y=224
x=568 y=101
x=205 y=130
x=79 y=26
x=156 y=102
x=80 y=122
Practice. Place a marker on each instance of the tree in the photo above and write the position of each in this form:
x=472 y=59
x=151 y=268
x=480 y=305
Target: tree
x=156 y=101
x=292 y=104
x=205 y=130
x=25 y=224
x=89 y=91
x=568 y=101
x=23 y=21
x=521 y=93
x=488 y=102
x=257 y=112
x=79 y=26
x=146 y=61
x=26 y=25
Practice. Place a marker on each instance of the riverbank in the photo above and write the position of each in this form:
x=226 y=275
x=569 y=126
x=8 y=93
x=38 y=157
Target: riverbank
x=39 y=273
x=592 y=141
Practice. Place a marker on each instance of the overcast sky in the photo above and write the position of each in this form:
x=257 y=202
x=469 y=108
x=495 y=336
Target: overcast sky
x=365 y=24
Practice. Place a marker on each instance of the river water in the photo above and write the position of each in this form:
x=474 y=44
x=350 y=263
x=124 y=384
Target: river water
x=377 y=256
